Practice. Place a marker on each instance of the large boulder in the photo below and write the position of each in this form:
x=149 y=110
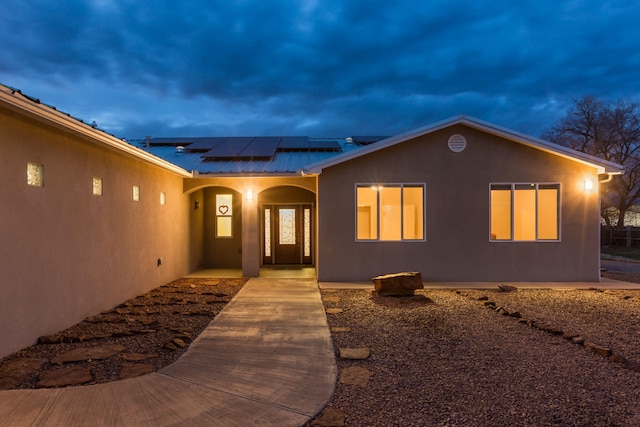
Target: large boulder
x=397 y=284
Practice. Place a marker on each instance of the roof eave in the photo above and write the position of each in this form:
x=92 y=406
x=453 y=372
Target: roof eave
x=48 y=115
x=602 y=166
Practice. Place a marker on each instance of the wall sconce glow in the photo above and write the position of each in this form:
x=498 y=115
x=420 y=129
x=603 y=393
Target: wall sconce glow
x=249 y=195
x=588 y=184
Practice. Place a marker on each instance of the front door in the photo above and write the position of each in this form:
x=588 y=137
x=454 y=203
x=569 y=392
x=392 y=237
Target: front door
x=287 y=234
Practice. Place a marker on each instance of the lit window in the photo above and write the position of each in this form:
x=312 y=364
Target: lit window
x=163 y=198
x=97 y=186
x=224 y=215
x=307 y=232
x=267 y=232
x=287 y=226
x=35 y=174
x=136 y=193
x=525 y=212
x=390 y=213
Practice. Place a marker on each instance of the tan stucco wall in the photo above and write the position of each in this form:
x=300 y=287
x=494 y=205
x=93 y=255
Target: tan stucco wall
x=457 y=246
x=67 y=254
x=263 y=188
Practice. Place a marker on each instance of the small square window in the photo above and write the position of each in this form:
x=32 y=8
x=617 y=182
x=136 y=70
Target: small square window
x=97 y=186
x=163 y=198
x=35 y=174
x=136 y=193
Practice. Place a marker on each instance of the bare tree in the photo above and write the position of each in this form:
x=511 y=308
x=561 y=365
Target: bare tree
x=611 y=131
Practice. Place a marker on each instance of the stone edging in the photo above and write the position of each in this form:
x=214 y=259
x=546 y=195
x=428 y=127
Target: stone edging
x=544 y=326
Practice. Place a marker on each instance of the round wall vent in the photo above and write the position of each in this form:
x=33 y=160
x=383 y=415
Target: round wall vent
x=457 y=143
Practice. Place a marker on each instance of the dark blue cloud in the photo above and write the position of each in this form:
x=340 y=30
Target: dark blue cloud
x=317 y=67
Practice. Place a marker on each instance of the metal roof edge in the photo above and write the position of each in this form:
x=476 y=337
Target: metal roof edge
x=603 y=166
x=47 y=114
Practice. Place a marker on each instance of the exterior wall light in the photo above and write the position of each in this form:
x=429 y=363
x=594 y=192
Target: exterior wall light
x=249 y=195
x=588 y=185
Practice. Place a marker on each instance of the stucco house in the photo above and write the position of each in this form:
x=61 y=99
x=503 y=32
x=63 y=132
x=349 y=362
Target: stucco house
x=90 y=220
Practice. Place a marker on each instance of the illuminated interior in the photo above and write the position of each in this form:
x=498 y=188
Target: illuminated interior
x=396 y=211
x=367 y=217
x=525 y=212
x=412 y=213
x=390 y=213
x=224 y=215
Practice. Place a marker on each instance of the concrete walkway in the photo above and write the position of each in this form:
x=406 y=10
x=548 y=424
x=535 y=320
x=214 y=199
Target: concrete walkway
x=266 y=360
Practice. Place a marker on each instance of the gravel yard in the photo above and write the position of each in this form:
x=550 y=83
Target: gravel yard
x=444 y=358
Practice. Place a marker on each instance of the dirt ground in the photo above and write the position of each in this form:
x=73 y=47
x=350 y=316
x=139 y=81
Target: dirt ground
x=139 y=336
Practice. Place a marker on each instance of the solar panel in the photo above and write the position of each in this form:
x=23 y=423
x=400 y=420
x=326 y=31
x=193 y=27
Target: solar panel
x=291 y=143
x=229 y=148
x=206 y=144
x=264 y=146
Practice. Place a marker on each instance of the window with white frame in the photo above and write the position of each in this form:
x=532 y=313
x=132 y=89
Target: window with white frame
x=525 y=212
x=393 y=212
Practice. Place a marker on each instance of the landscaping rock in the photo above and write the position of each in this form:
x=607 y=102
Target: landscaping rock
x=334 y=310
x=355 y=353
x=137 y=357
x=570 y=335
x=578 y=340
x=49 y=339
x=72 y=375
x=355 y=375
x=340 y=329
x=598 y=349
x=15 y=371
x=89 y=353
x=507 y=288
x=617 y=358
x=397 y=284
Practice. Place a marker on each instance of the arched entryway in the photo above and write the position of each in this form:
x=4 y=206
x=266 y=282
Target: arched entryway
x=287 y=224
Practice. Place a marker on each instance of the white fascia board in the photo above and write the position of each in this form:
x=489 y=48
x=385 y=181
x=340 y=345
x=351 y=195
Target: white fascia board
x=602 y=166
x=45 y=114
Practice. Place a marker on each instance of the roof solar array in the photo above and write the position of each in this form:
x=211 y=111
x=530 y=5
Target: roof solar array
x=242 y=148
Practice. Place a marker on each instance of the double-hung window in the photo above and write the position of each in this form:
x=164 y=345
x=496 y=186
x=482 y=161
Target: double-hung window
x=392 y=212
x=525 y=212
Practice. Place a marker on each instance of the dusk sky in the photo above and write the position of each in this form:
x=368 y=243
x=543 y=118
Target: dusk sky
x=330 y=68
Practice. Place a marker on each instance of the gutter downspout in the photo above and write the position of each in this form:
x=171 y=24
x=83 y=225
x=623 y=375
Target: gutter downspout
x=603 y=181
